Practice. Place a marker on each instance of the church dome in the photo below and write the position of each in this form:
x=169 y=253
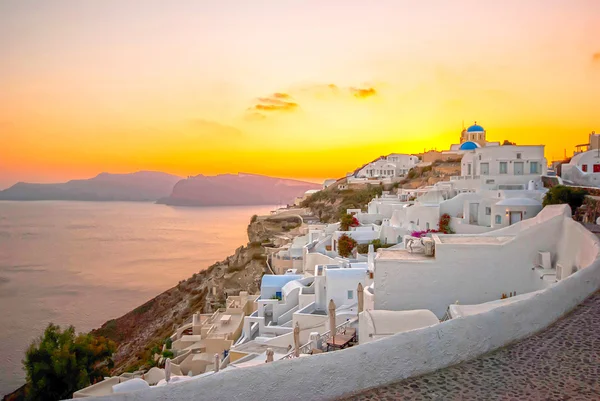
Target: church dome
x=469 y=145
x=475 y=128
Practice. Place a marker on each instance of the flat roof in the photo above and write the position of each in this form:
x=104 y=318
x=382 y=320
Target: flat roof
x=474 y=239
x=401 y=254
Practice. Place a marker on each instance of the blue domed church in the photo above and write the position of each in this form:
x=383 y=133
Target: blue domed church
x=472 y=138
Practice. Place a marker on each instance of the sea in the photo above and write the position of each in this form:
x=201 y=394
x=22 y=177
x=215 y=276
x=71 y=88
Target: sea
x=83 y=263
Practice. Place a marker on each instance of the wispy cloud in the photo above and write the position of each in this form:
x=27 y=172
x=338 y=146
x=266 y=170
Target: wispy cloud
x=363 y=93
x=277 y=102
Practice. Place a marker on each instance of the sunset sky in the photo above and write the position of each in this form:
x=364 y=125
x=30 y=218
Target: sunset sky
x=303 y=89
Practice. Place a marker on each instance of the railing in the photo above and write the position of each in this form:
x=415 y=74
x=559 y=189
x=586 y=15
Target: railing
x=269 y=266
x=446 y=316
x=307 y=348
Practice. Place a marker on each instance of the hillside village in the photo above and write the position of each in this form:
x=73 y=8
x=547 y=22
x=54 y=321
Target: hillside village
x=408 y=264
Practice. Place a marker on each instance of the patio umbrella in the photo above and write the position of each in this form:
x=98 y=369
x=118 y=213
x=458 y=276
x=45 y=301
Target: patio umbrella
x=361 y=300
x=297 y=340
x=332 y=320
x=269 y=355
x=168 y=370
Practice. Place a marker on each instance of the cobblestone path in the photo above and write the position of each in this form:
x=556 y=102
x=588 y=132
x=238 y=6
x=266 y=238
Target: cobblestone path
x=560 y=363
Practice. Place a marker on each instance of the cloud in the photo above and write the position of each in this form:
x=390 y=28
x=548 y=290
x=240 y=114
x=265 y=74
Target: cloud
x=363 y=93
x=277 y=102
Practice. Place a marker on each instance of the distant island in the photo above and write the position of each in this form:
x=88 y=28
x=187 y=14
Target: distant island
x=167 y=189
x=236 y=189
x=139 y=186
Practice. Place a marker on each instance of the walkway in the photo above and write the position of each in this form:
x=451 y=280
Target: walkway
x=560 y=363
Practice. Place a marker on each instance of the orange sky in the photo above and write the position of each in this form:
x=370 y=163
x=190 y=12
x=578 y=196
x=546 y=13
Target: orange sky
x=307 y=89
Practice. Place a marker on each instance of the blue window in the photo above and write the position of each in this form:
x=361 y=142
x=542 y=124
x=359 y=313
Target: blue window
x=533 y=168
x=350 y=294
x=278 y=294
x=498 y=219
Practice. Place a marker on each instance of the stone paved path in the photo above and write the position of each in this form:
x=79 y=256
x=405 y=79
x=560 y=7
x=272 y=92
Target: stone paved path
x=560 y=363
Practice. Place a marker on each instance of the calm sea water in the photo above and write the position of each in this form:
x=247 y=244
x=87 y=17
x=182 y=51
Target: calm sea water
x=83 y=263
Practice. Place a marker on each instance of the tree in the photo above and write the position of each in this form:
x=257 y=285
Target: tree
x=59 y=363
x=345 y=245
x=507 y=142
x=562 y=194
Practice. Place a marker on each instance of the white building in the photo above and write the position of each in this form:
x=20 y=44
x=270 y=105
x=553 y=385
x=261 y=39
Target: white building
x=392 y=166
x=476 y=268
x=583 y=169
x=501 y=167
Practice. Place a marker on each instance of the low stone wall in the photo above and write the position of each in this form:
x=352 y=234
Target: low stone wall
x=331 y=375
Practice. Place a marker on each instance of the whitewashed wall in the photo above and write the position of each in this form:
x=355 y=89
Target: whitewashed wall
x=470 y=274
x=390 y=359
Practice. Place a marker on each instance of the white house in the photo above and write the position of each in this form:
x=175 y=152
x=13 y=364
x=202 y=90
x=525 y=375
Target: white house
x=476 y=268
x=583 y=169
x=501 y=167
x=391 y=166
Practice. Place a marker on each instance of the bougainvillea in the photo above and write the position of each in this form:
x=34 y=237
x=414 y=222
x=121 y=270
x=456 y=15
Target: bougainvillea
x=444 y=228
x=348 y=221
x=444 y=224
x=345 y=245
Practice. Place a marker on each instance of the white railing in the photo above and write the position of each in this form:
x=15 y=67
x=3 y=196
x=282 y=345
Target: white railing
x=307 y=348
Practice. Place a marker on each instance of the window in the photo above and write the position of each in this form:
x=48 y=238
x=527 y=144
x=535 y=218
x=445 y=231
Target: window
x=518 y=168
x=488 y=211
x=485 y=168
x=498 y=219
x=503 y=167
x=584 y=168
x=469 y=169
x=533 y=168
x=427 y=226
x=350 y=294
x=518 y=155
x=596 y=168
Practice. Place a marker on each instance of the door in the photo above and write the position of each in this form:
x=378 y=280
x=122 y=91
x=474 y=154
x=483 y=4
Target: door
x=473 y=212
x=515 y=217
x=518 y=168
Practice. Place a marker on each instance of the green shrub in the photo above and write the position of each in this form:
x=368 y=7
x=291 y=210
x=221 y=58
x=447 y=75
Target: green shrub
x=167 y=354
x=59 y=363
x=169 y=343
x=561 y=194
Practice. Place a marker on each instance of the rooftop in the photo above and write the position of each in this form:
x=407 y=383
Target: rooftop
x=401 y=254
x=474 y=239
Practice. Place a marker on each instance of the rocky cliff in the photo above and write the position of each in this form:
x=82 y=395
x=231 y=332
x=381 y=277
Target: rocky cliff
x=147 y=326
x=236 y=189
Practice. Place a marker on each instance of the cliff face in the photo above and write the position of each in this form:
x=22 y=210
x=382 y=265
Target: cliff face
x=138 y=331
x=240 y=189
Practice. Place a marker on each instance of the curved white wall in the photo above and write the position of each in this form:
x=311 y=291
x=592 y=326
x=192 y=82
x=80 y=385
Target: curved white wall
x=331 y=375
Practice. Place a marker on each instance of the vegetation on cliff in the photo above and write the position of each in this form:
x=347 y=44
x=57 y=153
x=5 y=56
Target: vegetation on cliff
x=561 y=194
x=59 y=363
x=330 y=205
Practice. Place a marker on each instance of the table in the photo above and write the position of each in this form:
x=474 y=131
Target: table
x=340 y=341
x=225 y=319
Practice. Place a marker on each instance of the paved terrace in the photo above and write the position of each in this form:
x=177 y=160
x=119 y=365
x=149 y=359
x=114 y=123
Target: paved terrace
x=560 y=363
